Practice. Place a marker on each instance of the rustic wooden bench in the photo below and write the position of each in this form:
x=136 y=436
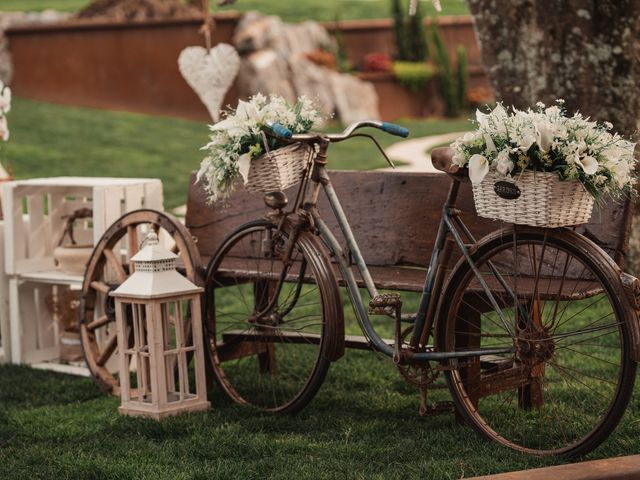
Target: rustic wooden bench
x=394 y=216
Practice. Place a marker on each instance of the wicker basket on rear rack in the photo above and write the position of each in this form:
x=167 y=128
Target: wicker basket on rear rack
x=279 y=169
x=539 y=199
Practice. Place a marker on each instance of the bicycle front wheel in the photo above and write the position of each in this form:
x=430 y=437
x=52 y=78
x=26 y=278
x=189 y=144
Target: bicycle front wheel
x=272 y=320
x=565 y=385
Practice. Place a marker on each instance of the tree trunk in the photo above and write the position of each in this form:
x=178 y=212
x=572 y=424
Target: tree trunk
x=584 y=51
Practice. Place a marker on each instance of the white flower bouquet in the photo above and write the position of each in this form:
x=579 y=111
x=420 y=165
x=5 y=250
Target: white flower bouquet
x=546 y=140
x=239 y=139
x=541 y=167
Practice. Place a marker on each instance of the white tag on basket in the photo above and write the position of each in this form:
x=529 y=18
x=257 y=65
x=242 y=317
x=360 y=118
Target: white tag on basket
x=210 y=74
x=244 y=164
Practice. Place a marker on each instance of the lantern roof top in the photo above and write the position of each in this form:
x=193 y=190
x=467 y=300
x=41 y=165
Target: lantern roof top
x=154 y=285
x=154 y=274
x=153 y=251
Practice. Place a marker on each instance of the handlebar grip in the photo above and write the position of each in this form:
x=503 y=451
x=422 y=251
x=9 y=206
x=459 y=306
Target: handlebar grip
x=280 y=130
x=394 y=129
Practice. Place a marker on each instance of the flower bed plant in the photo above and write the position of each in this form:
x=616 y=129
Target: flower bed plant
x=413 y=75
x=545 y=139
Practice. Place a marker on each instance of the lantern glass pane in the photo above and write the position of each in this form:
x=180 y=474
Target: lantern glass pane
x=178 y=349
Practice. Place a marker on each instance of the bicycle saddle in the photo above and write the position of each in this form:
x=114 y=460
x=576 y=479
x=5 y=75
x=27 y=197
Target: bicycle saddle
x=442 y=159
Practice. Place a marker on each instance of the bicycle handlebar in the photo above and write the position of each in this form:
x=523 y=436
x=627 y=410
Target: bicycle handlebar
x=391 y=128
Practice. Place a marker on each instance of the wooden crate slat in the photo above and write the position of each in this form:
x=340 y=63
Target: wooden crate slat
x=14 y=228
x=5 y=336
x=38 y=228
x=153 y=195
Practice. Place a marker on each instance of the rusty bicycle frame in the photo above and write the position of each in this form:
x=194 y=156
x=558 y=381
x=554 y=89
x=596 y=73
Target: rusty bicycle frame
x=306 y=216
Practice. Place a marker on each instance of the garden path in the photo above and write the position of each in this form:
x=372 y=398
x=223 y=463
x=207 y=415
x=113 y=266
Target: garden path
x=413 y=153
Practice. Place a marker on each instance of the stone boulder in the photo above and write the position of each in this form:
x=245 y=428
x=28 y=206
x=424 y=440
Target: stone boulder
x=274 y=60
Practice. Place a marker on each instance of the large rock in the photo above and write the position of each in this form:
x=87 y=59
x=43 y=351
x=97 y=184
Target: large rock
x=258 y=32
x=265 y=71
x=311 y=80
x=355 y=99
x=275 y=61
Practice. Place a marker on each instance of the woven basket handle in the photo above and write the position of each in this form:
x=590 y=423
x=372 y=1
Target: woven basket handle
x=265 y=142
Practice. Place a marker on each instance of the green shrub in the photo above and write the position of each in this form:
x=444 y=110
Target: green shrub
x=409 y=32
x=452 y=85
x=413 y=75
x=397 y=13
x=462 y=75
x=416 y=39
x=342 y=59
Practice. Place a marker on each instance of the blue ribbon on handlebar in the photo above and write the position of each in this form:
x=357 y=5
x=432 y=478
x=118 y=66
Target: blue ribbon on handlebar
x=280 y=130
x=394 y=129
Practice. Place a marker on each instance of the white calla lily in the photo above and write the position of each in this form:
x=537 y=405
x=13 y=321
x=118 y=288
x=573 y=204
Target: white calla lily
x=588 y=164
x=544 y=135
x=478 y=168
x=491 y=147
x=244 y=165
x=526 y=142
x=482 y=119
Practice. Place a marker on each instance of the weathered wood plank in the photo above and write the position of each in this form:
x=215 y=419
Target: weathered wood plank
x=393 y=215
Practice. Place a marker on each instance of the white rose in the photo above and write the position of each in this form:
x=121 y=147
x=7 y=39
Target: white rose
x=458 y=159
x=504 y=165
x=469 y=137
x=478 y=168
x=621 y=173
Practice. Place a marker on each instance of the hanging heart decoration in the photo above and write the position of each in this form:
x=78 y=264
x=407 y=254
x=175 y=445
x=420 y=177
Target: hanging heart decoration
x=210 y=73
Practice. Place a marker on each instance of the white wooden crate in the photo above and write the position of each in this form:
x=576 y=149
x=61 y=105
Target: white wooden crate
x=33 y=211
x=5 y=336
x=35 y=335
x=33 y=223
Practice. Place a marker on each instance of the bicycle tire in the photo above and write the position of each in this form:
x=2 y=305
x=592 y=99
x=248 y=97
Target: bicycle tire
x=278 y=387
x=497 y=418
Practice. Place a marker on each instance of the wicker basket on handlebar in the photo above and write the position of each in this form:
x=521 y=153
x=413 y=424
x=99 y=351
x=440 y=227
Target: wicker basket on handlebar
x=279 y=169
x=539 y=199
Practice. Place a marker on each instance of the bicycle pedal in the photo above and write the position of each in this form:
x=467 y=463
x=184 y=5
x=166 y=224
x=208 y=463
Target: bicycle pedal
x=385 y=304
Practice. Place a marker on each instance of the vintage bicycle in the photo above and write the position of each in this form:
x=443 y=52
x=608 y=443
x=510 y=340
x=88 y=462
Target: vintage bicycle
x=534 y=329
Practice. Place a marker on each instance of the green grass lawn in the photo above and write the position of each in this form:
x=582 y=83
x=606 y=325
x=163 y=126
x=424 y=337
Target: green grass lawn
x=51 y=140
x=290 y=10
x=364 y=423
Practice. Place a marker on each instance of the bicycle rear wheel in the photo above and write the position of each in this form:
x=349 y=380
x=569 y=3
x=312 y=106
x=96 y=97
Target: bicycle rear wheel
x=271 y=341
x=567 y=383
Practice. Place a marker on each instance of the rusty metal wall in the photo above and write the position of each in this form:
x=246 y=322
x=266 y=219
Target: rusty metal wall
x=133 y=66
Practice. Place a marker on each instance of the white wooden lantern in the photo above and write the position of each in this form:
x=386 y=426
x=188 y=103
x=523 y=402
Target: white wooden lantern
x=150 y=308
